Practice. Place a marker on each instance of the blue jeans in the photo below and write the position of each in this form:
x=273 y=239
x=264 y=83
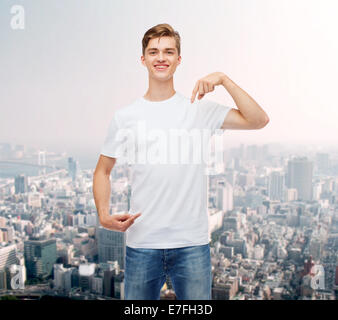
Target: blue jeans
x=189 y=269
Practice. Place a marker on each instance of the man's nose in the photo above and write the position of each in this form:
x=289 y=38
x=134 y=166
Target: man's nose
x=160 y=56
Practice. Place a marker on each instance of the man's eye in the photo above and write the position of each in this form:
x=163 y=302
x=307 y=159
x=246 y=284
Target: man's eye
x=154 y=52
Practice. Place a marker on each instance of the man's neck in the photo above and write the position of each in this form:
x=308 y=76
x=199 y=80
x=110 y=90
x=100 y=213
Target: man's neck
x=159 y=91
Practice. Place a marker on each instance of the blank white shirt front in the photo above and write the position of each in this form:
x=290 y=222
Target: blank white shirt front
x=171 y=196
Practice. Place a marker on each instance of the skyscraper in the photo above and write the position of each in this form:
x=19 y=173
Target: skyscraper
x=111 y=246
x=299 y=176
x=224 y=196
x=7 y=256
x=40 y=256
x=276 y=186
x=21 y=184
x=72 y=168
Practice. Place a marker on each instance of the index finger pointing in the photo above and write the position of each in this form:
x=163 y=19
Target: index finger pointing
x=194 y=92
x=128 y=222
x=135 y=216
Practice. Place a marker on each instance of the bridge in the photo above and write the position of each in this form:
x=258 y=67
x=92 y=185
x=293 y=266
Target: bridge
x=30 y=164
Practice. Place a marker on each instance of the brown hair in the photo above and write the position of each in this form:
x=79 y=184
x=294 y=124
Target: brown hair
x=158 y=31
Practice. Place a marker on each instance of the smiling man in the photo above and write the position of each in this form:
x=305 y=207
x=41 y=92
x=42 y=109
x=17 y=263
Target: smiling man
x=167 y=224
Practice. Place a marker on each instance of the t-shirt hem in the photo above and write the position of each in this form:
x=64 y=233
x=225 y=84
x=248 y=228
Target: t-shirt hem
x=167 y=246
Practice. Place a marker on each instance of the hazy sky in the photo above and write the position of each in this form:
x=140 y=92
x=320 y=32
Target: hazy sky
x=62 y=77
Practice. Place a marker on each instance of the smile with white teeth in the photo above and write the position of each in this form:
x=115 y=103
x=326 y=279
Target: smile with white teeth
x=161 y=67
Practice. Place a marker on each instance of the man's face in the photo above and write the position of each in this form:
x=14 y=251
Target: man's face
x=161 y=51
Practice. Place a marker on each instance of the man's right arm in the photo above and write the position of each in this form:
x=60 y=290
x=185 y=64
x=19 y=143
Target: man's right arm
x=101 y=185
x=101 y=192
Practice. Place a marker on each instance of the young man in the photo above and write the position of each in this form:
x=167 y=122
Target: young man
x=167 y=224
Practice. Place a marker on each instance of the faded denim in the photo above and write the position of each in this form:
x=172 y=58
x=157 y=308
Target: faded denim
x=189 y=269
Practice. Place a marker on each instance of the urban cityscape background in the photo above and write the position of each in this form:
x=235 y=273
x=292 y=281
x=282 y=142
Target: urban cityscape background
x=66 y=66
x=273 y=224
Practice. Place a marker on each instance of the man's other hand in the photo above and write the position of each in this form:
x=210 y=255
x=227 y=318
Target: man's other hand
x=119 y=222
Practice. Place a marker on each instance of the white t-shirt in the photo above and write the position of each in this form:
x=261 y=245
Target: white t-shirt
x=171 y=194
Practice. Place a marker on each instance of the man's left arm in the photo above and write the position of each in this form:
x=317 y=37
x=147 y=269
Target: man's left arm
x=249 y=114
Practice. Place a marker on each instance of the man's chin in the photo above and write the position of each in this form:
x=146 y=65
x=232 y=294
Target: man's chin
x=161 y=77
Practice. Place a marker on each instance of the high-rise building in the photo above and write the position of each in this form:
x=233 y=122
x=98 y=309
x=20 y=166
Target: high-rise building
x=58 y=276
x=3 y=281
x=220 y=195
x=290 y=194
x=258 y=252
x=97 y=285
x=299 y=176
x=86 y=273
x=119 y=286
x=17 y=276
x=21 y=184
x=3 y=222
x=227 y=251
x=75 y=277
x=111 y=246
x=231 y=223
x=276 y=186
x=108 y=283
x=316 y=191
x=73 y=168
x=315 y=248
x=8 y=259
x=40 y=256
x=62 y=277
x=224 y=196
x=6 y=234
x=7 y=256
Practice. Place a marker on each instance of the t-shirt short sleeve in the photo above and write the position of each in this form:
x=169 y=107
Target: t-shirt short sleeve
x=112 y=143
x=213 y=114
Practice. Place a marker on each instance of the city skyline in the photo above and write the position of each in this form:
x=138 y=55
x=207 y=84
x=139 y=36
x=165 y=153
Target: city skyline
x=272 y=225
x=87 y=161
